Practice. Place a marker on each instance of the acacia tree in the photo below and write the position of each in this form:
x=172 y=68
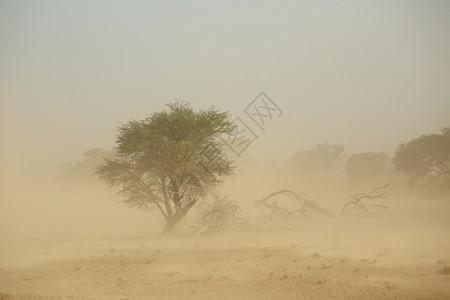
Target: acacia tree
x=367 y=165
x=81 y=171
x=169 y=160
x=426 y=159
x=322 y=157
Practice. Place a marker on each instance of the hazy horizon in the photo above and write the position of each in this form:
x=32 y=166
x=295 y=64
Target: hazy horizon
x=366 y=75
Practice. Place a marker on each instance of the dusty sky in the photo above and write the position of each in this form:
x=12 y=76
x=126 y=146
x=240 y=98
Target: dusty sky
x=367 y=75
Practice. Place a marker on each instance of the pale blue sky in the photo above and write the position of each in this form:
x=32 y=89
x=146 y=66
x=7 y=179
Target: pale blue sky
x=369 y=75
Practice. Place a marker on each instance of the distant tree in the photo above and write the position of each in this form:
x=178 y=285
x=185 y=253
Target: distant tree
x=322 y=157
x=80 y=171
x=169 y=160
x=426 y=160
x=367 y=166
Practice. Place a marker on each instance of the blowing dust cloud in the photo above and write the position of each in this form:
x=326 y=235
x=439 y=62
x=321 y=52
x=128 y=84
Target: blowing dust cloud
x=239 y=150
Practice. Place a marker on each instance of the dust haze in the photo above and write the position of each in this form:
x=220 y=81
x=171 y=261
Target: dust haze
x=318 y=206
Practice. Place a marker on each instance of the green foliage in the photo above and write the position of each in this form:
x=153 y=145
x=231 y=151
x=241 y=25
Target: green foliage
x=322 y=157
x=367 y=166
x=426 y=158
x=169 y=160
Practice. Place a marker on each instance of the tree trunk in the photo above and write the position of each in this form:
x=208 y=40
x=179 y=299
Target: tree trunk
x=173 y=220
x=171 y=223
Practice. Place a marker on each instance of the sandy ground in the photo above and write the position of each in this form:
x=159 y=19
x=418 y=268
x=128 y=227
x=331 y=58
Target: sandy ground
x=239 y=273
x=232 y=267
x=406 y=256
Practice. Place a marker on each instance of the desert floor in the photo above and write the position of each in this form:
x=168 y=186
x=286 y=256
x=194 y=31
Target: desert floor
x=406 y=256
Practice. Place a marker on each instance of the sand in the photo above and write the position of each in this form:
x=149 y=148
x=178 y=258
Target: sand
x=337 y=258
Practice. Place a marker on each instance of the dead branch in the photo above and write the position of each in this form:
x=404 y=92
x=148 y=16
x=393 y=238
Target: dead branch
x=279 y=214
x=218 y=215
x=356 y=202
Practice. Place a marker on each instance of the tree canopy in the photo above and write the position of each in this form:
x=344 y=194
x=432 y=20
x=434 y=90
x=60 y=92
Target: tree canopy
x=426 y=159
x=367 y=165
x=81 y=171
x=322 y=157
x=169 y=160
